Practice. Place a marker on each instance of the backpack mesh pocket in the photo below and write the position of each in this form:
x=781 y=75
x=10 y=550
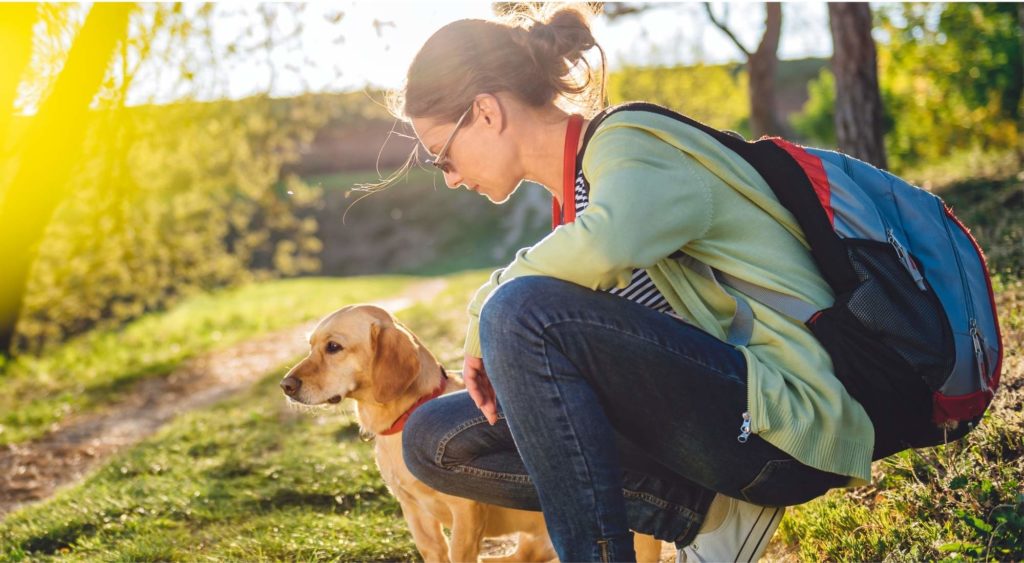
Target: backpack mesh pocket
x=891 y=346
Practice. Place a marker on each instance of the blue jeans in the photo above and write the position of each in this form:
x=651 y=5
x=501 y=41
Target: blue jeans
x=614 y=417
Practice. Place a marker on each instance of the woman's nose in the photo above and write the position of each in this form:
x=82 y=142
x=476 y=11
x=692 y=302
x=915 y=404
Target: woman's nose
x=452 y=179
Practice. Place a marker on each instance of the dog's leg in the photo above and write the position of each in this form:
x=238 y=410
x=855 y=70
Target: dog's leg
x=530 y=547
x=469 y=519
x=648 y=549
x=538 y=548
x=426 y=532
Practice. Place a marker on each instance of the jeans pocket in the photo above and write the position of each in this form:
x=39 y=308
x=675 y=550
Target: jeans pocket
x=786 y=482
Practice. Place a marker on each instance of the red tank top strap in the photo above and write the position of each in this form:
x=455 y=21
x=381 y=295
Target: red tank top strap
x=567 y=212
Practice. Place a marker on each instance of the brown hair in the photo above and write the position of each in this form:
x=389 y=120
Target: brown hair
x=539 y=59
x=534 y=52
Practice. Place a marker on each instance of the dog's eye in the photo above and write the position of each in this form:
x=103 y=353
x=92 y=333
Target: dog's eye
x=334 y=347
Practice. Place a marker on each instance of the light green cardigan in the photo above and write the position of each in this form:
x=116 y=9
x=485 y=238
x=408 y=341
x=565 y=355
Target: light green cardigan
x=658 y=185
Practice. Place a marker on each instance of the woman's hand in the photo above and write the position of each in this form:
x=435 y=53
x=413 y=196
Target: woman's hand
x=479 y=387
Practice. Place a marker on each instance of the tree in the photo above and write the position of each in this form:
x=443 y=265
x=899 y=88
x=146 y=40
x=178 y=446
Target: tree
x=163 y=195
x=858 y=105
x=47 y=157
x=16 y=44
x=761 y=65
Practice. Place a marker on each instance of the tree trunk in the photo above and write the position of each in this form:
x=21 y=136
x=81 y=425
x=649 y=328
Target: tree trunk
x=49 y=151
x=761 y=66
x=858 y=100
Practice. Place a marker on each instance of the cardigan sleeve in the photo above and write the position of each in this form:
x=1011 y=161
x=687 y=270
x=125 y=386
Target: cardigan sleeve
x=646 y=202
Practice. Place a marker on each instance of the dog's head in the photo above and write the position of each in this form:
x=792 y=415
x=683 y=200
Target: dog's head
x=359 y=351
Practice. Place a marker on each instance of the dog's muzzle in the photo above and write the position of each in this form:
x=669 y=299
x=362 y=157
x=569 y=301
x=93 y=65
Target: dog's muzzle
x=291 y=385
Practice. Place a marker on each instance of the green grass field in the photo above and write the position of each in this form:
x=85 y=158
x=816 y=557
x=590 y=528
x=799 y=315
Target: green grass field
x=250 y=478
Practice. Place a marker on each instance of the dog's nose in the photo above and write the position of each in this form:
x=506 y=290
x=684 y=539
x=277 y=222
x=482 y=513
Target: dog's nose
x=291 y=385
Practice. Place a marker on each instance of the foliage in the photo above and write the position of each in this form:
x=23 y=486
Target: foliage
x=954 y=85
x=816 y=122
x=171 y=202
x=167 y=200
x=951 y=80
x=713 y=94
x=93 y=369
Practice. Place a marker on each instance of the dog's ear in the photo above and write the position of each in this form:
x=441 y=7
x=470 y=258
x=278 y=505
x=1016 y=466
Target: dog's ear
x=395 y=362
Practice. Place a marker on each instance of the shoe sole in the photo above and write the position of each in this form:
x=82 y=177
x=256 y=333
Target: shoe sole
x=760 y=534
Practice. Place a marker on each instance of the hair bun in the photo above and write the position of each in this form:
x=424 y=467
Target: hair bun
x=566 y=35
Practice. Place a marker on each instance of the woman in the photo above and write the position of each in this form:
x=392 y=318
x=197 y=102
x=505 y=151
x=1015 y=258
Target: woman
x=602 y=387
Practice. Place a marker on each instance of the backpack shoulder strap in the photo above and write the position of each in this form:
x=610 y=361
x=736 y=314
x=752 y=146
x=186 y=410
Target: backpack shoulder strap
x=741 y=326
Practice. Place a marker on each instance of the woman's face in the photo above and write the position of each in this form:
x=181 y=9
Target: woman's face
x=480 y=156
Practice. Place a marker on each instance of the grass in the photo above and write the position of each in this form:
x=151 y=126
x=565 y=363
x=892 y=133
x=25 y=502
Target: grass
x=246 y=480
x=249 y=479
x=87 y=372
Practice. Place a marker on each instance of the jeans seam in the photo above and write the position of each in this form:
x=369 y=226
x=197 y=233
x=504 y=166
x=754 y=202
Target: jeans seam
x=443 y=442
x=487 y=474
x=572 y=429
x=662 y=504
x=546 y=326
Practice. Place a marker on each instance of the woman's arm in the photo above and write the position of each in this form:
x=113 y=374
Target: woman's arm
x=647 y=200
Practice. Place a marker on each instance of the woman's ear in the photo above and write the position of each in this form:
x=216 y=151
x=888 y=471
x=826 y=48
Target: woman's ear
x=491 y=111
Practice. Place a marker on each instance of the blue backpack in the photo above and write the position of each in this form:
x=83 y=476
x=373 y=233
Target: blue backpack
x=913 y=333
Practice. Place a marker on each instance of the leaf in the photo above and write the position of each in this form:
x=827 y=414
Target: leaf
x=977 y=523
x=961 y=547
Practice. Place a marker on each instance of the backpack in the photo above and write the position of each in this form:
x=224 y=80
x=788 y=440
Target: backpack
x=913 y=332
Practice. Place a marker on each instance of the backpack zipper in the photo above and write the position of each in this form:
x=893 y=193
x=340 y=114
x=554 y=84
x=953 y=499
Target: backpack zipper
x=979 y=354
x=976 y=338
x=906 y=260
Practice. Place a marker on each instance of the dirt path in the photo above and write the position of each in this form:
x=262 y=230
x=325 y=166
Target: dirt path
x=35 y=470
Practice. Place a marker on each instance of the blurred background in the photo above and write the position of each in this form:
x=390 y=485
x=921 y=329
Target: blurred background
x=178 y=178
x=154 y=150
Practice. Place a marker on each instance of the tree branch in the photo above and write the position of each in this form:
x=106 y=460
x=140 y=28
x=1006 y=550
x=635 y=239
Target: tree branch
x=725 y=29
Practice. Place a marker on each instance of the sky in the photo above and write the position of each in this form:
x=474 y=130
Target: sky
x=351 y=45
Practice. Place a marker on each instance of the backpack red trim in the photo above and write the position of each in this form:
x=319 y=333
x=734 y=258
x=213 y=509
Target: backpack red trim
x=815 y=171
x=959 y=407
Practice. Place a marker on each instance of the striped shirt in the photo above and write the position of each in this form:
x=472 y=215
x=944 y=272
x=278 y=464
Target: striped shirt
x=640 y=289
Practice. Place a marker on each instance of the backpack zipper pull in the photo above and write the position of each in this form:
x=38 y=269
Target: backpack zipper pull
x=744 y=429
x=906 y=260
x=979 y=354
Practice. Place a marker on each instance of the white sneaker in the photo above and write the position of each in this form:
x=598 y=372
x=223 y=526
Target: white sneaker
x=743 y=535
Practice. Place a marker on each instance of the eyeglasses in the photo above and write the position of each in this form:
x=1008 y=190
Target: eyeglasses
x=441 y=161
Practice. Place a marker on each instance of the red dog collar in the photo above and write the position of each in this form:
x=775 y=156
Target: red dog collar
x=400 y=423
